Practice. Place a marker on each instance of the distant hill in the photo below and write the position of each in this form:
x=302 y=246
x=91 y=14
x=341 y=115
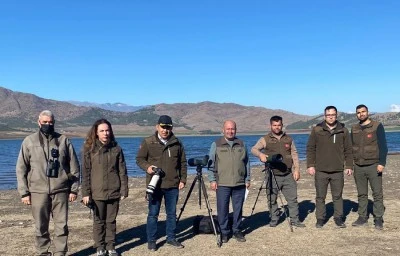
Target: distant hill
x=19 y=113
x=119 y=107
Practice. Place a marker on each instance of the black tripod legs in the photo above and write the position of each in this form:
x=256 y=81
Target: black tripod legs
x=217 y=236
x=202 y=186
x=187 y=198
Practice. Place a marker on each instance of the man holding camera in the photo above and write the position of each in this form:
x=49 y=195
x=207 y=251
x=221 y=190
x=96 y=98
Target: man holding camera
x=48 y=177
x=286 y=171
x=163 y=151
x=229 y=176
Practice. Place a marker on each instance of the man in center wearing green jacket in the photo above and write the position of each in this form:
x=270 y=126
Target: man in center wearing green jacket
x=329 y=152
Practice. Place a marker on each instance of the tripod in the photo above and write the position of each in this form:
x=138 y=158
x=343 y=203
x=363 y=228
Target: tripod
x=271 y=178
x=202 y=187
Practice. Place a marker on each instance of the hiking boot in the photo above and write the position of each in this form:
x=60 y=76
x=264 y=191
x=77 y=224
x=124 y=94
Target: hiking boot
x=320 y=223
x=112 y=253
x=239 y=236
x=273 y=223
x=361 y=221
x=175 y=244
x=152 y=246
x=224 y=238
x=339 y=223
x=378 y=223
x=297 y=223
x=101 y=252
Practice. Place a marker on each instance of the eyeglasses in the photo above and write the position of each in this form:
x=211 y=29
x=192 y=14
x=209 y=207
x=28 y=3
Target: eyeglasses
x=330 y=115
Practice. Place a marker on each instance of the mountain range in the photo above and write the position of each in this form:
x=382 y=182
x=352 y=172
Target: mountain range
x=19 y=113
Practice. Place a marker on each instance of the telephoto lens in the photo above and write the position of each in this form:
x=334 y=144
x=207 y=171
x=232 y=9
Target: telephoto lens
x=158 y=173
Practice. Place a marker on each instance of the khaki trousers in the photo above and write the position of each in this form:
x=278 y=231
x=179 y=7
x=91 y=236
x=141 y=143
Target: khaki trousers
x=56 y=206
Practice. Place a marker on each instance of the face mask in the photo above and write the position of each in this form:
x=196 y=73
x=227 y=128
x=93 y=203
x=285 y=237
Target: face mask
x=47 y=129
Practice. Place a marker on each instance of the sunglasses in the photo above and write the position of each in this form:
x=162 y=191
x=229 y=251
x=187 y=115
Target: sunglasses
x=166 y=126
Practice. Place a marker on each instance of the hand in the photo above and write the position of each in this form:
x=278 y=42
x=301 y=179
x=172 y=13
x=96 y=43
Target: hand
x=296 y=175
x=380 y=168
x=349 y=172
x=181 y=185
x=263 y=157
x=247 y=184
x=311 y=170
x=72 y=197
x=26 y=200
x=214 y=185
x=150 y=169
x=123 y=197
x=85 y=200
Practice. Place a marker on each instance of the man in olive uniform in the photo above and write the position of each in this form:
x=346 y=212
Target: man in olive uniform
x=370 y=152
x=286 y=172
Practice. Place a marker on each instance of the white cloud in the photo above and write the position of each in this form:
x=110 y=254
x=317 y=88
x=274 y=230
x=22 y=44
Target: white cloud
x=395 y=108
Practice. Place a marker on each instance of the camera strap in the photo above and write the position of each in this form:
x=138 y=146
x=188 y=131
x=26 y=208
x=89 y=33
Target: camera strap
x=41 y=141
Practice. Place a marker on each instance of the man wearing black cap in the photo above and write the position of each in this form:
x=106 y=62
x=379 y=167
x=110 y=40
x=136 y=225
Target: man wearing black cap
x=163 y=150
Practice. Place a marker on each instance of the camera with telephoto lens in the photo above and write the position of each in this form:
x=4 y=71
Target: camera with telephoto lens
x=158 y=173
x=53 y=165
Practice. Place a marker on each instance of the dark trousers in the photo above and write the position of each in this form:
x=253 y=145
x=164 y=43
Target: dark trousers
x=224 y=194
x=56 y=206
x=322 y=180
x=288 y=187
x=170 y=199
x=363 y=175
x=105 y=224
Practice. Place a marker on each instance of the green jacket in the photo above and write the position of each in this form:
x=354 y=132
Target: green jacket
x=229 y=163
x=104 y=173
x=171 y=158
x=329 y=150
x=32 y=163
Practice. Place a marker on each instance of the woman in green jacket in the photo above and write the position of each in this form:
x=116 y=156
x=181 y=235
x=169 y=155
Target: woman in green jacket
x=104 y=183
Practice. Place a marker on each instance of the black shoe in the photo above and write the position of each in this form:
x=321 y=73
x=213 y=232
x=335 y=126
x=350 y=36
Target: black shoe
x=320 y=223
x=239 y=236
x=297 y=223
x=273 y=223
x=152 y=246
x=224 y=238
x=175 y=244
x=378 y=223
x=339 y=223
x=361 y=221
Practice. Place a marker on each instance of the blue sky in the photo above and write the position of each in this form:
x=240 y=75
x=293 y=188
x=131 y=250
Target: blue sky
x=298 y=56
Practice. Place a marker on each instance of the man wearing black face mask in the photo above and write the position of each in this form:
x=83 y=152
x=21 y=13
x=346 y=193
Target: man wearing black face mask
x=48 y=177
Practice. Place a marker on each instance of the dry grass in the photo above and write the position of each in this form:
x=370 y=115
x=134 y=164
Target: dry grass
x=17 y=231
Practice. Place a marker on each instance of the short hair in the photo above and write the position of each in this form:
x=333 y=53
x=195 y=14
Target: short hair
x=330 y=107
x=46 y=113
x=361 y=106
x=275 y=119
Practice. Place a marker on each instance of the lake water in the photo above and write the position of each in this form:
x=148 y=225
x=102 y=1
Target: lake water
x=195 y=146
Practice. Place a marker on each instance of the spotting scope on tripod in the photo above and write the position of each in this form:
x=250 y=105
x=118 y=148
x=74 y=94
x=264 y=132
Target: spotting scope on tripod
x=272 y=184
x=200 y=163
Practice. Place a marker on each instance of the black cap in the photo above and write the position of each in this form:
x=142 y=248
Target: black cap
x=165 y=120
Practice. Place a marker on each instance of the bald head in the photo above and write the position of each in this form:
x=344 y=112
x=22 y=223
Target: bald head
x=229 y=129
